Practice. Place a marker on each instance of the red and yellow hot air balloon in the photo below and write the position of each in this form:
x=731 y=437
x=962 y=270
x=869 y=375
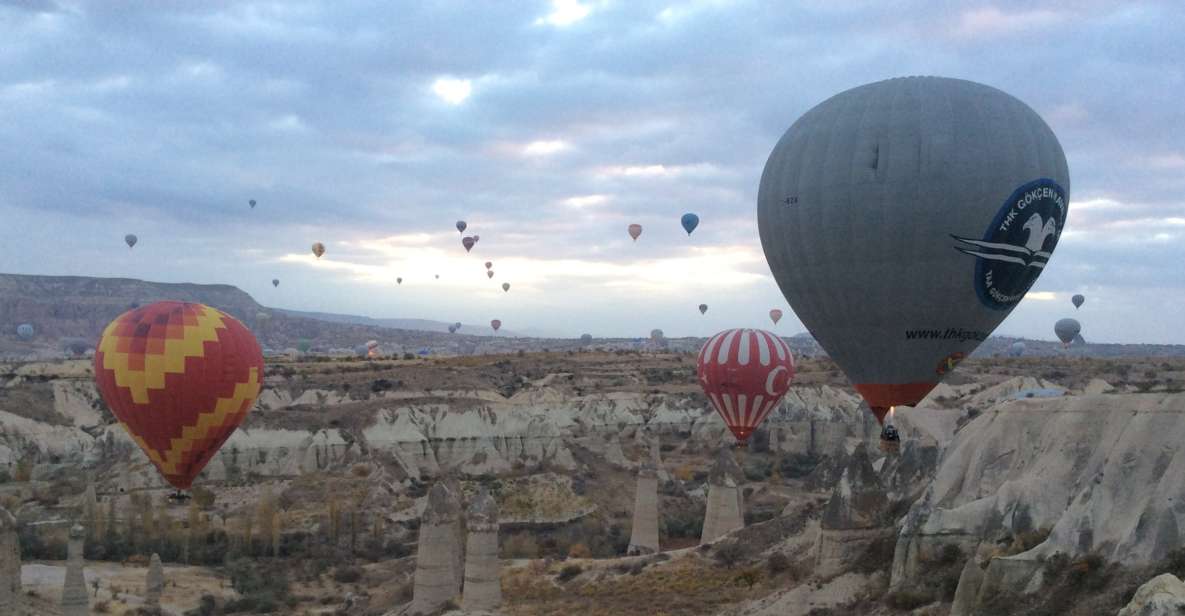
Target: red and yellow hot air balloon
x=745 y=373
x=180 y=377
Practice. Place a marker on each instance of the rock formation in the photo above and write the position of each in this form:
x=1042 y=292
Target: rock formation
x=436 y=577
x=75 y=601
x=1163 y=595
x=725 y=510
x=1081 y=455
x=10 y=564
x=155 y=583
x=644 y=538
x=854 y=515
x=483 y=580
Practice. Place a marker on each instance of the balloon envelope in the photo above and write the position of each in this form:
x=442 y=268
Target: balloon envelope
x=467 y=242
x=275 y=282
x=775 y=315
x=1078 y=300
x=744 y=373
x=490 y=273
x=318 y=249
x=180 y=377
x=904 y=219
x=489 y=264
x=1066 y=329
x=399 y=281
x=24 y=330
x=634 y=231
x=690 y=222
x=703 y=308
x=1017 y=349
x=130 y=239
x=585 y=338
x=251 y=203
x=461 y=226
x=496 y=324
x=506 y=286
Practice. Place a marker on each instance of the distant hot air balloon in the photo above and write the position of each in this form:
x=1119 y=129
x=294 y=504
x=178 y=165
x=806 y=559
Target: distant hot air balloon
x=1017 y=349
x=489 y=264
x=744 y=373
x=585 y=338
x=180 y=377
x=461 y=226
x=275 y=282
x=1078 y=300
x=496 y=324
x=635 y=230
x=452 y=329
x=476 y=239
x=24 y=330
x=130 y=239
x=399 y=281
x=467 y=242
x=438 y=276
x=690 y=222
x=898 y=290
x=490 y=273
x=656 y=334
x=251 y=203
x=775 y=315
x=506 y=286
x=318 y=249
x=1066 y=329
x=703 y=308
x=457 y=325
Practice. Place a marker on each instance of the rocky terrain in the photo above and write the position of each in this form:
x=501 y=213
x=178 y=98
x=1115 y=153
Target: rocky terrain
x=1010 y=475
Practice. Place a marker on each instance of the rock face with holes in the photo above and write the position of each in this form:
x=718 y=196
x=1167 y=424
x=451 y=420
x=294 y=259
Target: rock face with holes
x=483 y=581
x=1098 y=473
x=10 y=564
x=725 y=508
x=644 y=538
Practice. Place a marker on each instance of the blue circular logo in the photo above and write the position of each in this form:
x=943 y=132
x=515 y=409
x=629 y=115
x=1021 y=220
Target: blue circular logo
x=1017 y=244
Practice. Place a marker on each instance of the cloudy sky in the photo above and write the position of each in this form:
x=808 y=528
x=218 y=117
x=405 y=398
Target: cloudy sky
x=549 y=126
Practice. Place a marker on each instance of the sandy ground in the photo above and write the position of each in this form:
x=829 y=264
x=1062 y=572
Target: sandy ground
x=184 y=586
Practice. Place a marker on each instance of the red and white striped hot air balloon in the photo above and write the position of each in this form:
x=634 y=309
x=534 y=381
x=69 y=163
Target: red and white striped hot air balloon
x=745 y=372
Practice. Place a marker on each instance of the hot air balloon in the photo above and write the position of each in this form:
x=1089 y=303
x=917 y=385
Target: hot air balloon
x=251 y=203
x=461 y=226
x=1066 y=329
x=275 y=282
x=775 y=315
x=180 y=377
x=904 y=219
x=457 y=325
x=130 y=239
x=635 y=230
x=703 y=308
x=24 y=330
x=452 y=329
x=1078 y=300
x=585 y=338
x=476 y=239
x=467 y=242
x=656 y=334
x=318 y=249
x=690 y=222
x=490 y=274
x=745 y=372
x=496 y=324
x=372 y=348
x=1017 y=349
x=399 y=281
x=438 y=276
x=506 y=286
x=489 y=264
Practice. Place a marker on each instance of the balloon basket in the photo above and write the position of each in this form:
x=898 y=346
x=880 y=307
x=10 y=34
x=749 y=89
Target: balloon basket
x=891 y=448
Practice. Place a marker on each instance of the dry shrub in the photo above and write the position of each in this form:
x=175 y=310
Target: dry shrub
x=579 y=550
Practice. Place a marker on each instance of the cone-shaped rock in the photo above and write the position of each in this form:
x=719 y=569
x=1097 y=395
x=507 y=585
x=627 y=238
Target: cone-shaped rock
x=10 y=564
x=483 y=577
x=853 y=517
x=75 y=601
x=436 y=566
x=724 y=512
x=155 y=583
x=644 y=538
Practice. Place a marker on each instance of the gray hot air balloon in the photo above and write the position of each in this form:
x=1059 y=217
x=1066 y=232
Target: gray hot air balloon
x=656 y=334
x=904 y=219
x=1078 y=300
x=1078 y=341
x=585 y=338
x=130 y=239
x=1066 y=329
x=703 y=308
x=1017 y=349
x=24 y=330
x=275 y=282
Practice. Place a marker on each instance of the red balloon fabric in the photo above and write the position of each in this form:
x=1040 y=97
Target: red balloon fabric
x=745 y=373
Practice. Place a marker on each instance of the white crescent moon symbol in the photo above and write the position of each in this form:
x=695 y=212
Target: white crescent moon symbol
x=769 y=380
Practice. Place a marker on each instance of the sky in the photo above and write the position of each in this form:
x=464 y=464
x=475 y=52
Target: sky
x=548 y=126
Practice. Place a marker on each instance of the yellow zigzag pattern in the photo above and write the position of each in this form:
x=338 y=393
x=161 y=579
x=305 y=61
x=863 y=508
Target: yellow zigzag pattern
x=157 y=365
x=207 y=421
